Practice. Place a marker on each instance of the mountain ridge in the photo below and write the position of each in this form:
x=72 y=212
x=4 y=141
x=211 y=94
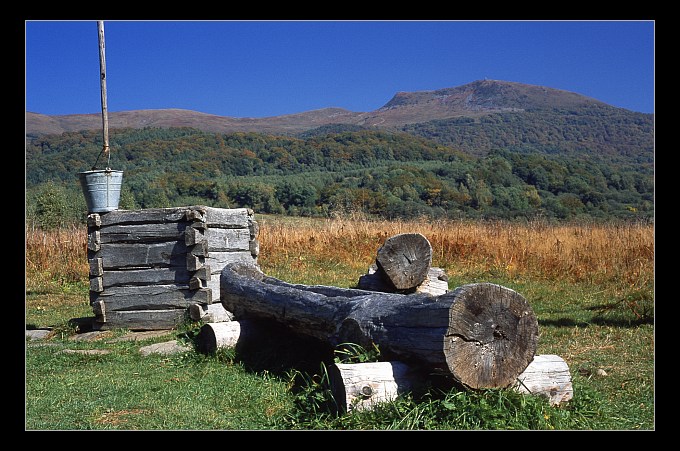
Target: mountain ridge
x=478 y=98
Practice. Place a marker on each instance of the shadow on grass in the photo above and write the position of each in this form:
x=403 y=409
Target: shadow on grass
x=599 y=320
x=273 y=348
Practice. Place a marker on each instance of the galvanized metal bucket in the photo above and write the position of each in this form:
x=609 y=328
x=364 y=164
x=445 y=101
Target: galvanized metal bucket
x=102 y=189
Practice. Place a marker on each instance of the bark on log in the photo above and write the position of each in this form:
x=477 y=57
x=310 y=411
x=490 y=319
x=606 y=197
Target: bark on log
x=483 y=335
x=405 y=260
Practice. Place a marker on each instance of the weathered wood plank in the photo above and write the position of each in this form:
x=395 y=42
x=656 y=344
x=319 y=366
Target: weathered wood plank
x=228 y=240
x=228 y=218
x=152 y=297
x=144 y=216
x=140 y=319
x=152 y=276
x=219 y=240
x=194 y=235
x=171 y=253
x=143 y=233
x=547 y=375
x=94 y=220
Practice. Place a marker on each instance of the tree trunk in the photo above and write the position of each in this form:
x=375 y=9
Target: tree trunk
x=405 y=260
x=483 y=335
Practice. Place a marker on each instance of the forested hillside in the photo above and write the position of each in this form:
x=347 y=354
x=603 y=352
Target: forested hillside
x=335 y=169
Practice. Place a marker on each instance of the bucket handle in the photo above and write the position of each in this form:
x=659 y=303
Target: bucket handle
x=106 y=150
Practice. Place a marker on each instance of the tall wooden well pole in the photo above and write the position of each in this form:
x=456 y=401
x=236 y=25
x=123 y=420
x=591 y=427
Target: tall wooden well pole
x=102 y=70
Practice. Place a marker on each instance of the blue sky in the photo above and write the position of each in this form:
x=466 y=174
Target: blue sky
x=270 y=68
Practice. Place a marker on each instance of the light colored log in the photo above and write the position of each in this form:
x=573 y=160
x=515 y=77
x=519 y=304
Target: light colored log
x=254 y=227
x=227 y=240
x=221 y=217
x=210 y=313
x=360 y=386
x=547 y=375
x=363 y=385
x=213 y=336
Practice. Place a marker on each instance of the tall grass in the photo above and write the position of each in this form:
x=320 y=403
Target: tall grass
x=618 y=254
x=622 y=254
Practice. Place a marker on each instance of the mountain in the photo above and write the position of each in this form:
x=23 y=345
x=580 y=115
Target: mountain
x=472 y=100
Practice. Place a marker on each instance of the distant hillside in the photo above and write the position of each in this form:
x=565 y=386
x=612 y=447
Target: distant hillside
x=477 y=118
x=335 y=171
x=470 y=100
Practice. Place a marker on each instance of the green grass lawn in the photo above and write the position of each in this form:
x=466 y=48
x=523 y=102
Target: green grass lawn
x=281 y=383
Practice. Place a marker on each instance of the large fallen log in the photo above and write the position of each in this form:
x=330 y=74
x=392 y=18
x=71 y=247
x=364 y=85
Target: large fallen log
x=483 y=335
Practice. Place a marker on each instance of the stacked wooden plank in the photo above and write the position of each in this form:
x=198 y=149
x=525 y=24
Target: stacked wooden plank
x=147 y=267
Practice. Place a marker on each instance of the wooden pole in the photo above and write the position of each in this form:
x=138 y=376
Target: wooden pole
x=102 y=70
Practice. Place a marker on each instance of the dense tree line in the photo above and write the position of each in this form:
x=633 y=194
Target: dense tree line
x=595 y=129
x=335 y=170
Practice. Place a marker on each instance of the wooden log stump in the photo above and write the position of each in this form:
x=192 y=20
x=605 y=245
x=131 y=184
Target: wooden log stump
x=549 y=376
x=360 y=386
x=213 y=336
x=405 y=260
x=483 y=335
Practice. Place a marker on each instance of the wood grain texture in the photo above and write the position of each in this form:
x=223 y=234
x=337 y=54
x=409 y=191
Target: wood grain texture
x=547 y=375
x=405 y=260
x=362 y=386
x=483 y=335
x=151 y=297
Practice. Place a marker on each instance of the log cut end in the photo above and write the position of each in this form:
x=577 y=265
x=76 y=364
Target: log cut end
x=405 y=260
x=492 y=335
